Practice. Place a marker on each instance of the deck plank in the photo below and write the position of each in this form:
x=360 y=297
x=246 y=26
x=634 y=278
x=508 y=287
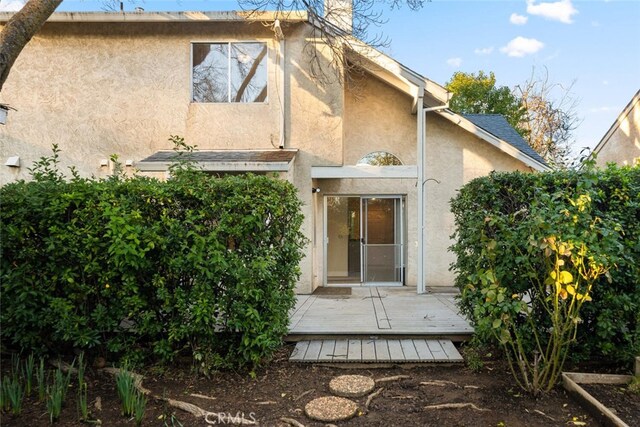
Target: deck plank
x=395 y=350
x=382 y=350
x=409 y=350
x=326 y=352
x=451 y=351
x=436 y=349
x=368 y=351
x=341 y=350
x=355 y=351
x=313 y=351
x=423 y=350
x=299 y=351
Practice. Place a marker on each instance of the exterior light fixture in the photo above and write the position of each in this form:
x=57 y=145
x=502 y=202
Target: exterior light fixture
x=13 y=162
x=128 y=163
x=104 y=163
x=315 y=190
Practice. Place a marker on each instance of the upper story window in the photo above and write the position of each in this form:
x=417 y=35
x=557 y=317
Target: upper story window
x=229 y=72
x=380 y=158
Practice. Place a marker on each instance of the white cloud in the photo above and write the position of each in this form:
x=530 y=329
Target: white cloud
x=561 y=10
x=521 y=46
x=11 y=5
x=516 y=19
x=483 y=51
x=604 y=109
x=454 y=62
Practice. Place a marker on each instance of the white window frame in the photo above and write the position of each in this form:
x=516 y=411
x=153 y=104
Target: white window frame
x=229 y=43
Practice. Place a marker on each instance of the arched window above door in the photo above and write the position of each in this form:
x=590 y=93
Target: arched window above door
x=379 y=158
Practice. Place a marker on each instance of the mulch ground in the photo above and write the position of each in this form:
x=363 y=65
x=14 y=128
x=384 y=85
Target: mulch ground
x=282 y=389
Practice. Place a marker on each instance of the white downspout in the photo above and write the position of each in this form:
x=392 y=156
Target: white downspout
x=280 y=64
x=422 y=126
x=420 y=163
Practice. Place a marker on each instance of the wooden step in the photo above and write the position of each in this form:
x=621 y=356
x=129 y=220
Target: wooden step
x=376 y=351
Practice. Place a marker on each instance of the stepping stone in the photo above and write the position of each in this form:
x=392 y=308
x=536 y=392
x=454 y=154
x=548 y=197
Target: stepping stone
x=330 y=409
x=351 y=385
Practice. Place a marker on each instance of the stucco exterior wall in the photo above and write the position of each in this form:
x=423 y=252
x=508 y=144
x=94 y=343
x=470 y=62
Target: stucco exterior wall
x=378 y=118
x=453 y=158
x=124 y=88
x=623 y=144
x=102 y=89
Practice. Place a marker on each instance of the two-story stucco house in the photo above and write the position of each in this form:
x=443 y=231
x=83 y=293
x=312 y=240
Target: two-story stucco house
x=376 y=159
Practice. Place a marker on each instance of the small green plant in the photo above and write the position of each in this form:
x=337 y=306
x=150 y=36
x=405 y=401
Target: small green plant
x=83 y=409
x=139 y=407
x=41 y=380
x=14 y=393
x=28 y=373
x=3 y=396
x=125 y=384
x=57 y=392
x=55 y=397
x=473 y=359
x=81 y=369
x=634 y=385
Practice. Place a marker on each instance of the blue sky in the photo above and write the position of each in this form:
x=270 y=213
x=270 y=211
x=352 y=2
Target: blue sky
x=594 y=44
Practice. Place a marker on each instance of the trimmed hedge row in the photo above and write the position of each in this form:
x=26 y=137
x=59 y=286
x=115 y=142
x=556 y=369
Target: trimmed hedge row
x=148 y=270
x=497 y=210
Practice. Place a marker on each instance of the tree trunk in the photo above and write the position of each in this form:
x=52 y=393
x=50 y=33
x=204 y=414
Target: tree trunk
x=17 y=32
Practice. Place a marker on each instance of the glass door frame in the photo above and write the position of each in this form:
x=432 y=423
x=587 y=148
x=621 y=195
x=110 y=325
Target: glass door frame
x=401 y=232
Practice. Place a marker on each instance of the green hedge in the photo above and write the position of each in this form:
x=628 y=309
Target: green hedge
x=497 y=210
x=150 y=270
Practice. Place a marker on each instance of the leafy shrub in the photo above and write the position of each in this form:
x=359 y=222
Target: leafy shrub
x=140 y=268
x=501 y=218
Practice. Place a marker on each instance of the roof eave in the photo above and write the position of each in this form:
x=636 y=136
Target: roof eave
x=616 y=124
x=493 y=140
x=227 y=16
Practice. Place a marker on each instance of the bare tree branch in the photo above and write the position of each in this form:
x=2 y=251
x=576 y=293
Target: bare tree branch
x=327 y=17
x=550 y=117
x=252 y=72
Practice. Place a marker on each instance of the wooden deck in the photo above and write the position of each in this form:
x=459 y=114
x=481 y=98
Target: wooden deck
x=375 y=351
x=376 y=311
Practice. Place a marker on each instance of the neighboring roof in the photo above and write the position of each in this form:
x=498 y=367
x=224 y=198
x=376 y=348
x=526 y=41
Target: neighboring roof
x=627 y=110
x=223 y=160
x=289 y=16
x=494 y=129
x=497 y=125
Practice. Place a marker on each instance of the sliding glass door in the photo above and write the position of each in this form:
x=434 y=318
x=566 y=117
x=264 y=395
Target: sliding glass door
x=364 y=240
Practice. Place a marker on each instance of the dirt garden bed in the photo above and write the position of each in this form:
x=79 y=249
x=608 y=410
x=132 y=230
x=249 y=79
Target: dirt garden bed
x=622 y=402
x=282 y=389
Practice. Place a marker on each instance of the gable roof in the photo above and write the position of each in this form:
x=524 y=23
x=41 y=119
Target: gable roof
x=494 y=129
x=627 y=110
x=497 y=125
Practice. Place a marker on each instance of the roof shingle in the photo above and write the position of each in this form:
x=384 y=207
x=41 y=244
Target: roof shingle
x=499 y=127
